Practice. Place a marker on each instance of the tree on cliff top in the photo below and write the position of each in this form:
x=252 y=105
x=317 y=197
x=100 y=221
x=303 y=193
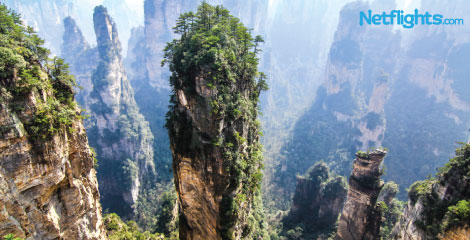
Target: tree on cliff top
x=26 y=69
x=217 y=52
x=217 y=43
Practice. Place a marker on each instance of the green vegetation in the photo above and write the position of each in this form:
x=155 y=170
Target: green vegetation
x=119 y=230
x=218 y=48
x=167 y=221
x=458 y=215
x=451 y=212
x=27 y=72
x=312 y=215
x=363 y=155
x=123 y=142
x=11 y=237
x=420 y=188
x=390 y=208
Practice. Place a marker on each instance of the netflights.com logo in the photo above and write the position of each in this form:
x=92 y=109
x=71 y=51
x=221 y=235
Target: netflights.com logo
x=406 y=20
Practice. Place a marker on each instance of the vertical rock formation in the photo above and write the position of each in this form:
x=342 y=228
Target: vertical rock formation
x=317 y=203
x=349 y=110
x=48 y=186
x=81 y=58
x=214 y=134
x=46 y=17
x=117 y=130
x=361 y=218
x=149 y=79
x=432 y=81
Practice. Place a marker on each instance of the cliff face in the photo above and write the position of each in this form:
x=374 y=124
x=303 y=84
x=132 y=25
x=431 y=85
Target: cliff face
x=437 y=206
x=214 y=134
x=81 y=58
x=117 y=130
x=47 y=191
x=48 y=186
x=433 y=69
x=46 y=17
x=318 y=200
x=349 y=110
x=361 y=218
x=366 y=85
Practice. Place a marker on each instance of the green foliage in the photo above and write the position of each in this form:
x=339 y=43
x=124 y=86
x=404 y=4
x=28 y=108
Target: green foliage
x=420 y=188
x=166 y=218
x=460 y=162
x=390 y=216
x=318 y=172
x=217 y=48
x=119 y=230
x=363 y=155
x=95 y=159
x=11 y=237
x=314 y=193
x=27 y=71
x=441 y=214
x=130 y=172
x=295 y=234
x=458 y=215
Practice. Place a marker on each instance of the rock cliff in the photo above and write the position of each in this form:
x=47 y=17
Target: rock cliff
x=349 y=110
x=82 y=59
x=360 y=217
x=437 y=206
x=214 y=134
x=117 y=130
x=48 y=186
x=366 y=85
x=317 y=203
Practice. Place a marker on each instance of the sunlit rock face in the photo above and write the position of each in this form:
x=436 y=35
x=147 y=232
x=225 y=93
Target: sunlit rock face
x=48 y=191
x=361 y=218
x=48 y=184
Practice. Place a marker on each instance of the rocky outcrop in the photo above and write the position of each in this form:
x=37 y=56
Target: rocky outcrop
x=317 y=203
x=48 y=191
x=214 y=133
x=48 y=185
x=390 y=207
x=366 y=84
x=349 y=112
x=406 y=228
x=82 y=59
x=46 y=17
x=361 y=218
x=437 y=206
x=117 y=130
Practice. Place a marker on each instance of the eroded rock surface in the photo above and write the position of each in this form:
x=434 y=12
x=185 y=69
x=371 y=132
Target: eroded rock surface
x=360 y=218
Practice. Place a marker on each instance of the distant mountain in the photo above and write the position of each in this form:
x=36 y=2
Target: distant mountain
x=379 y=91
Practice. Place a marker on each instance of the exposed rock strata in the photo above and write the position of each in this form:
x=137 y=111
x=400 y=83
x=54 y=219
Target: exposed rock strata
x=213 y=129
x=360 y=218
x=48 y=185
x=48 y=191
